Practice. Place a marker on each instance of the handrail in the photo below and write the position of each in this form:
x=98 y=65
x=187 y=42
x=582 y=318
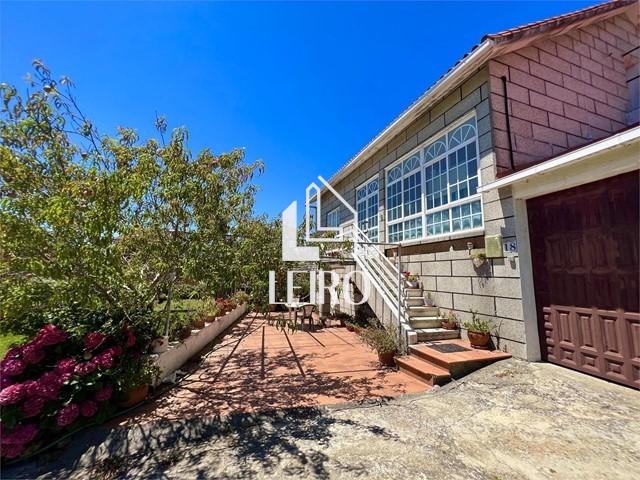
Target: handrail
x=380 y=268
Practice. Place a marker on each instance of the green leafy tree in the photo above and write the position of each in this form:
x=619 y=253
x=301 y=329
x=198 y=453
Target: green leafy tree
x=108 y=221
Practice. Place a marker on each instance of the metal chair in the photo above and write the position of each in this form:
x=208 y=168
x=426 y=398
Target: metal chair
x=307 y=312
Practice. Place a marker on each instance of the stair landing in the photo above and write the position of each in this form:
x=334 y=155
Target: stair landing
x=425 y=362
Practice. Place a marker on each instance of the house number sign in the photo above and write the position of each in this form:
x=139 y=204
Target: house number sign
x=510 y=247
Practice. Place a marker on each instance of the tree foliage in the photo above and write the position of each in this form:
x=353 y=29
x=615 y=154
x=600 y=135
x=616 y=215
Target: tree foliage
x=109 y=221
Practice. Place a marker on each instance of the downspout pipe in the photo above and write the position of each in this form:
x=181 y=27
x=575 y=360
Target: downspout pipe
x=508 y=122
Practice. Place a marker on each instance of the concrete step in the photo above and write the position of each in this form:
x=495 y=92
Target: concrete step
x=425 y=322
x=414 y=301
x=431 y=334
x=413 y=292
x=458 y=364
x=422 y=311
x=423 y=371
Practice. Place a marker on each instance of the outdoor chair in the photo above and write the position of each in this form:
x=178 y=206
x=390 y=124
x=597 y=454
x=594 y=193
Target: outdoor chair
x=307 y=312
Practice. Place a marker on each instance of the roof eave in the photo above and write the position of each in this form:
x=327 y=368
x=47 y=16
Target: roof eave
x=437 y=91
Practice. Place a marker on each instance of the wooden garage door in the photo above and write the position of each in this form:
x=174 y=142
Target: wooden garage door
x=584 y=247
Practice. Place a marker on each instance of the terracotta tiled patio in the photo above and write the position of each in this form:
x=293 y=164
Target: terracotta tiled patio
x=257 y=367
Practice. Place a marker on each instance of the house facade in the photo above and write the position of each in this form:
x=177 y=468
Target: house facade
x=525 y=152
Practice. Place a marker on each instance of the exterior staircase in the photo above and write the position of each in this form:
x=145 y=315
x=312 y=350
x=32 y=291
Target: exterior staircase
x=425 y=321
x=434 y=367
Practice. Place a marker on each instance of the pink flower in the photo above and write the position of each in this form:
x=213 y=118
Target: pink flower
x=94 y=339
x=13 y=450
x=11 y=367
x=104 y=360
x=65 y=377
x=32 y=354
x=20 y=435
x=33 y=406
x=66 y=365
x=42 y=389
x=12 y=394
x=85 y=368
x=104 y=393
x=13 y=352
x=50 y=378
x=50 y=335
x=68 y=415
x=114 y=351
x=88 y=408
x=5 y=381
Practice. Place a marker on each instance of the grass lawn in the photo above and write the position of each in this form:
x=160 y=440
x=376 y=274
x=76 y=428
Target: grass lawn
x=8 y=339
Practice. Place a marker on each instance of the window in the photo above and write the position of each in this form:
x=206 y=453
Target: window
x=404 y=200
x=435 y=190
x=451 y=176
x=367 y=207
x=333 y=218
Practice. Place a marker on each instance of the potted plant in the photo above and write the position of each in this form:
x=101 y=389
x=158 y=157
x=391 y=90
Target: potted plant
x=428 y=300
x=412 y=279
x=134 y=381
x=478 y=331
x=478 y=258
x=451 y=321
x=385 y=343
x=350 y=326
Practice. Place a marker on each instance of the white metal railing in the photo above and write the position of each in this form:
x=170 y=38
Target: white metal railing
x=381 y=272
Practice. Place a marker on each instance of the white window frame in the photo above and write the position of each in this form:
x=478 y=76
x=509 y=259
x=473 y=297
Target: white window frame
x=420 y=152
x=335 y=213
x=365 y=199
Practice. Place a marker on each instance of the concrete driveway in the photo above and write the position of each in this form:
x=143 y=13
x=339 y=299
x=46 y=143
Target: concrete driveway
x=512 y=420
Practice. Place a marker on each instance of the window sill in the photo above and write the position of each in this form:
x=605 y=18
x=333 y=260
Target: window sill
x=474 y=232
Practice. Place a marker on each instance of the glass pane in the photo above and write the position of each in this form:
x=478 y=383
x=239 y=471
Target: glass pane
x=475 y=207
x=471 y=150
x=473 y=186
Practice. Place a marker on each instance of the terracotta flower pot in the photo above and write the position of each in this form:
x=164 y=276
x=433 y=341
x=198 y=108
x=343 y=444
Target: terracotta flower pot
x=210 y=318
x=350 y=328
x=479 y=339
x=387 y=359
x=199 y=323
x=357 y=329
x=136 y=396
x=449 y=326
x=186 y=333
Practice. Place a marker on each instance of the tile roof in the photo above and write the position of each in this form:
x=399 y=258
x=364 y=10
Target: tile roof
x=503 y=37
x=558 y=21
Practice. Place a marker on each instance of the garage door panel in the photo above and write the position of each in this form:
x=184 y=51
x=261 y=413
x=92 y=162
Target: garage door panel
x=585 y=245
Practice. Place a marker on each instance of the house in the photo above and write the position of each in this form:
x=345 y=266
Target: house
x=526 y=151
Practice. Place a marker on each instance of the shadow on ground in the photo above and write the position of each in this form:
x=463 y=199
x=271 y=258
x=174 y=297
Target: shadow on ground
x=259 y=444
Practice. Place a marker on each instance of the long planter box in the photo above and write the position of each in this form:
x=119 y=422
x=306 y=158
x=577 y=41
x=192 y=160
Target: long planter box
x=179 y=353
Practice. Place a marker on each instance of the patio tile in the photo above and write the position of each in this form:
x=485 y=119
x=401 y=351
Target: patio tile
x=257 y=367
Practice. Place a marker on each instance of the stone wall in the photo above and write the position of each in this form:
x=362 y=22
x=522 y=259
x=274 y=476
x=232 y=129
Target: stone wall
x=494 y=290
x=562 y=92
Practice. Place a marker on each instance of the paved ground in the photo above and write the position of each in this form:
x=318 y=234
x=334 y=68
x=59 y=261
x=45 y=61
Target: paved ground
x=257 y=367
x=512 y=420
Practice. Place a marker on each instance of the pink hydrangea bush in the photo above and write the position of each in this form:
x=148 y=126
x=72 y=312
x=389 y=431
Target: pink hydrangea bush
x=60 y=381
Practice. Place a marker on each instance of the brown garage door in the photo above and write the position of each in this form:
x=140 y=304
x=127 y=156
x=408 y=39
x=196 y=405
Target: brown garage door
x=584 y=247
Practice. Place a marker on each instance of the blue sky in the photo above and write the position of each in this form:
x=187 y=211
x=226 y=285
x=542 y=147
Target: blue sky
x=302 y=86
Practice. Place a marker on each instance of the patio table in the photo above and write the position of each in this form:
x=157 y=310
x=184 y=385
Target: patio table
x=295 y=307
